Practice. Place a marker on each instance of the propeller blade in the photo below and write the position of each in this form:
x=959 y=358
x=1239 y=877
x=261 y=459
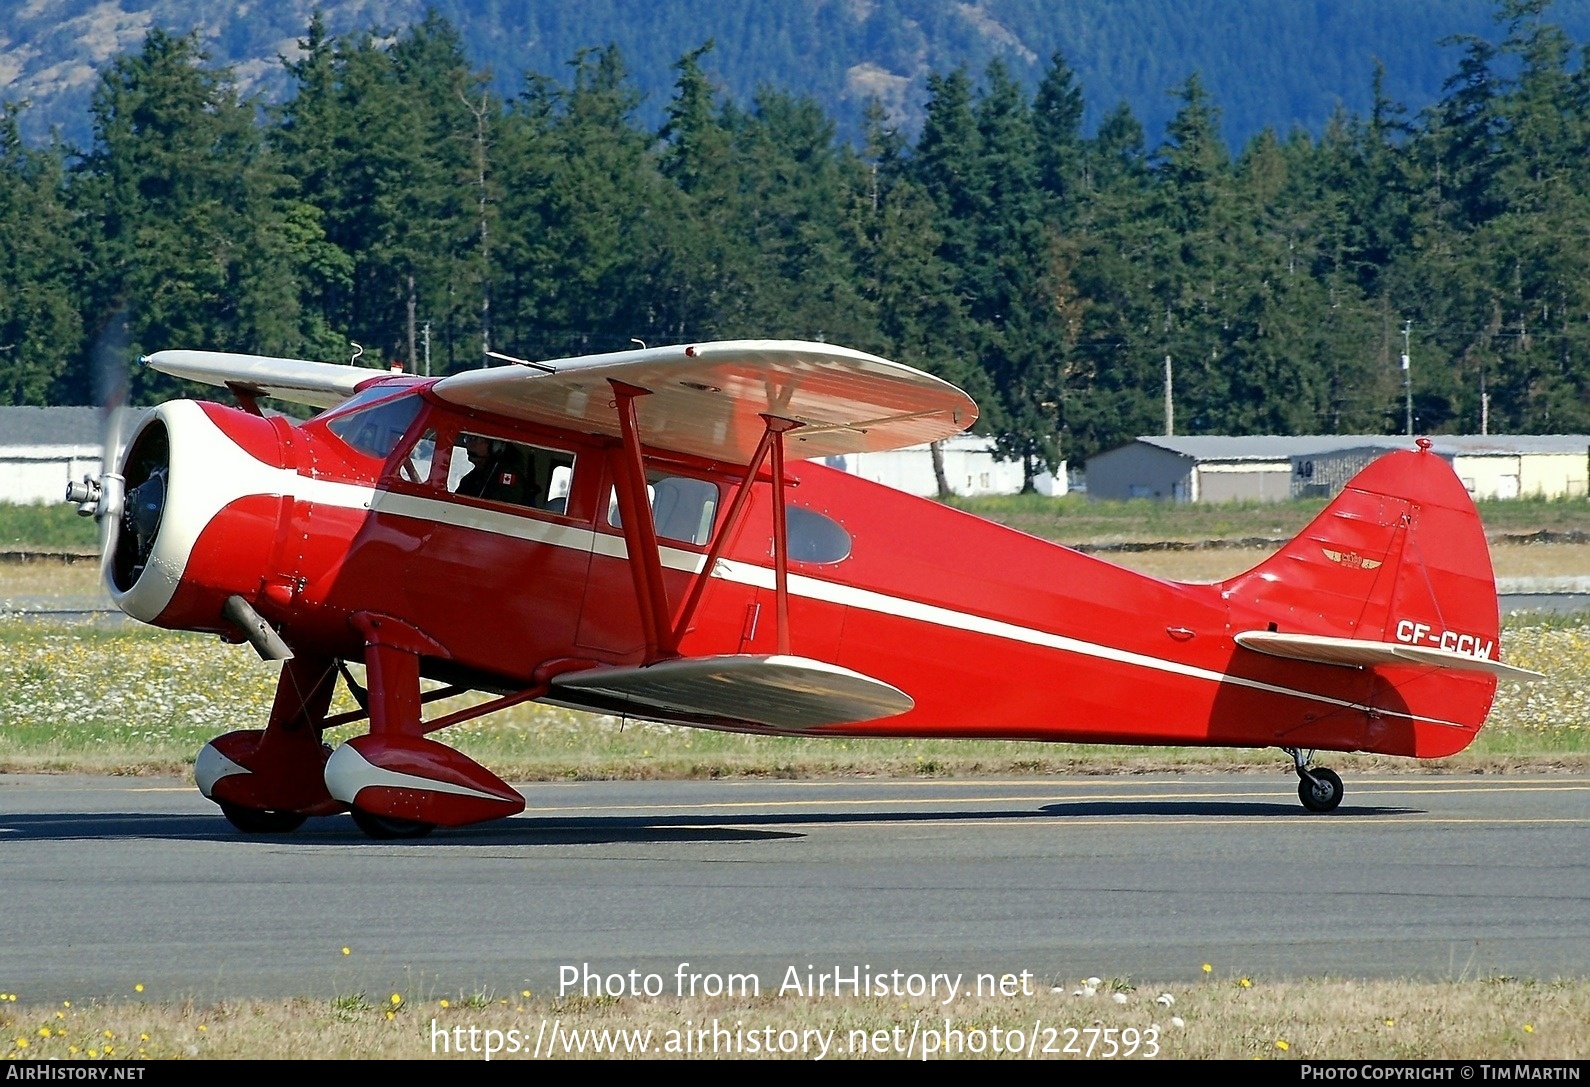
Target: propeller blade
x=109 y=356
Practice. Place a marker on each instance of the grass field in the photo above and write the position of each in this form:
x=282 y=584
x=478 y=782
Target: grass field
x=1223 y=1017
x=127 y=699
x=55 y=525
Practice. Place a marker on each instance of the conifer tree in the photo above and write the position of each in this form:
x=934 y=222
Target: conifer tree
x=40 y=328
x=185 y=205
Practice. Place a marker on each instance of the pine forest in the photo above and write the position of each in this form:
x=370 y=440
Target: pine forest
x=395 y=200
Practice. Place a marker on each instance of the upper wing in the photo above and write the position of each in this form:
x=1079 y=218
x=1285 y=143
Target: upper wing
x=706 y=398
x=320 y=384
x=1364 y=654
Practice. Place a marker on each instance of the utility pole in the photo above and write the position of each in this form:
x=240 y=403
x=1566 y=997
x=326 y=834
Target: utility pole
x=1170 y=405
x=481 y=114
x=1407 y=376
x=413 y=362
x=1485 y=404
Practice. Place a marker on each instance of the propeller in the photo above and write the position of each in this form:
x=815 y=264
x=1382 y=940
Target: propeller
x=105 y=498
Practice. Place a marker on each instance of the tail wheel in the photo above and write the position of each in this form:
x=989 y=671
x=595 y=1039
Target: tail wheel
x=1319 y=789
x=386 y=828
x=255 y=821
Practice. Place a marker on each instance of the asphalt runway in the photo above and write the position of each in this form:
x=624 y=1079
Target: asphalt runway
x=110 y=883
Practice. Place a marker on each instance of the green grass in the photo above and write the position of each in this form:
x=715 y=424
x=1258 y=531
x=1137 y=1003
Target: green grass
x=1223 y=1017
x=46 y=526
x=1077 y=519
x=1528 y=515
x=130 y=699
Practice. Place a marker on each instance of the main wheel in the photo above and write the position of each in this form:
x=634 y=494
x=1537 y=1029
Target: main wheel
x=256 y=821
x=1323 y=793
x=387 y=828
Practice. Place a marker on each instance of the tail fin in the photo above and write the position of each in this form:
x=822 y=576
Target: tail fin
x=1398 y=557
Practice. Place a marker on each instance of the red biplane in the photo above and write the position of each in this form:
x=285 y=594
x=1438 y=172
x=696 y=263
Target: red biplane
x=651 y=533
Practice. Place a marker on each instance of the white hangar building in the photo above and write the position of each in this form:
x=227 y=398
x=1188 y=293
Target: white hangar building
x=970 y=468
x=42 y=449
x=1212 y=468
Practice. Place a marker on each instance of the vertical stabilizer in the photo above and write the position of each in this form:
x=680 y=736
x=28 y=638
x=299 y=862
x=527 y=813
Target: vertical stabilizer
x=1399 y=557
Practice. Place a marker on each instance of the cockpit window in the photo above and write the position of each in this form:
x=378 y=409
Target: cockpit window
x=376 y=430
x=416 y=463
x=502 y=471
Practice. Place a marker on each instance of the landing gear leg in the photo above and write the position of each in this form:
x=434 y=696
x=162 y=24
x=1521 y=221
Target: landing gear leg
x=394 y=694
x=1319 y=789
x=268 y=781
x=397 y=783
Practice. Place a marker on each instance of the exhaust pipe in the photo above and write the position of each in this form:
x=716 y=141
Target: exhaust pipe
x=260 y=634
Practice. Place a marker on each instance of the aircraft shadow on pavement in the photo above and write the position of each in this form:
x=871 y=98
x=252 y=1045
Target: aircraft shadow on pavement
x=1211 y=808
x=339 y=830
x=599 y=829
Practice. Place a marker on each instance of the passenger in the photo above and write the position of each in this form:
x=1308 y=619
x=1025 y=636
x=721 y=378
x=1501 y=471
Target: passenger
x=497 y=471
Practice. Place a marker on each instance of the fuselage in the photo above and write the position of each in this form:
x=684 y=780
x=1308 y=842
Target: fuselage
x=517 y=561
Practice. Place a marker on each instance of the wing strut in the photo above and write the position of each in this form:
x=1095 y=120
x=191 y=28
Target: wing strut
x=780 y=539
x=772 y=440
x=640 y=535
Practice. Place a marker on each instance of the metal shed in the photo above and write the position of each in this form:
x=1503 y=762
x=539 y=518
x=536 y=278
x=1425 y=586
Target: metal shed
x=1265 y=468
x=1520 y=465
x=1213 y=468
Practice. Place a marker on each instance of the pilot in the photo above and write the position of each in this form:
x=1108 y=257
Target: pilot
x=497 y=471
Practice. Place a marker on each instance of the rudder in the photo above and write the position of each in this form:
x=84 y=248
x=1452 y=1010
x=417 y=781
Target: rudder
x=1398 y=557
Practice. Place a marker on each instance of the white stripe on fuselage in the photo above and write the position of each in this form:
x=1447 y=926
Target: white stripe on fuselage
x=553 y=534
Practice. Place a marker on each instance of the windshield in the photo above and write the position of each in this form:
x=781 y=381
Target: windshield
x=377 y=429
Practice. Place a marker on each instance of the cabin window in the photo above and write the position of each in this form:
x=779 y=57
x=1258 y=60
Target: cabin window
x=416 y=465
x=376 y=430
x=813 y=537
x=682 y=508
x=498 y=470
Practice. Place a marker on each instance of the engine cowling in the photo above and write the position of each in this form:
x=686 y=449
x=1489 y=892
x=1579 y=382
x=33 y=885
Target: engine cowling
x=202 y=514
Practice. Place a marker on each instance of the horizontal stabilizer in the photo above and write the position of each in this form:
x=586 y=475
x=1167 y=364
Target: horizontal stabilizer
x=776 y=691
x=318 y=384
x=1353 y=653
x=706 y=399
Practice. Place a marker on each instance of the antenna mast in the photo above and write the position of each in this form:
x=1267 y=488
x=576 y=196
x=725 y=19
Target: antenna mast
x=1407 y=377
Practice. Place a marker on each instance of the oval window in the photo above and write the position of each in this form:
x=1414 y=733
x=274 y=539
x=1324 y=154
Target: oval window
x=813 y=537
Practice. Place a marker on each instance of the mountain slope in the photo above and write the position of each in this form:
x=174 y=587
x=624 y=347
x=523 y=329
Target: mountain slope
x=1264 y=64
